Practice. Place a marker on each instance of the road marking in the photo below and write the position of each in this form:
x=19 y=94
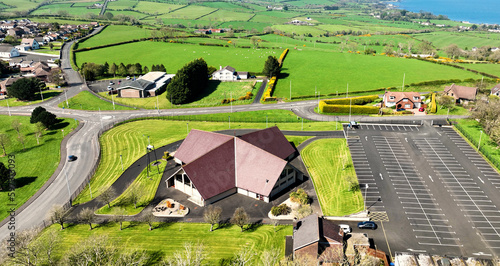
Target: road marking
x=381 y=177
x=387 y=241
x=431 y=179
x=480 y=180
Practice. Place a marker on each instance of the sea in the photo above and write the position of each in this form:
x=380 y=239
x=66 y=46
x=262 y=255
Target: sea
x=477 y=11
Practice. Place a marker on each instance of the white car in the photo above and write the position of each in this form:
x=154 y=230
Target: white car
x=346 y=228
x=110 y=88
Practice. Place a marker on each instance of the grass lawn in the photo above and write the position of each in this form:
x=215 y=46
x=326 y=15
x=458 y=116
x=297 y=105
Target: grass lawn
x=36 y=163
x=330 y=72
x=87 y=101
x=442 y=39
x=271 y=116
x=471 y=129
x=226 y=15
x=190 y=12
x=130 y=139
x=147 y=185
x=493 y=69
x=297 y=140
x=211 y=96
x=46 y=95
x=325 y=159
x=458 y=110
x=54 y=9
x=114 y=34
x=155 y=8
x=169 y=238
x=242 y=59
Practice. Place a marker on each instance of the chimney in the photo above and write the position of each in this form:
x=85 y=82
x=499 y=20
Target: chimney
x=296 y=225
x=220 y=67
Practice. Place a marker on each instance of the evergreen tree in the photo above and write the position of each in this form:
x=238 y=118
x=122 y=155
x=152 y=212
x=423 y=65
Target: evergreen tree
x=105 y=68
x=162 y=68
x=4 y=176
x=48 y=119
x=145 y=70
x=113 y=69
x=122 y=70
x=38 y=110
x=271 y=67
x=25 y=89
x=138 y=69
x=189 y=82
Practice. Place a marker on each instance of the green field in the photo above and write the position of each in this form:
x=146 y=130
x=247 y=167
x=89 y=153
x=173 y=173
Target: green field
x=114 y=34
x=330 y=165
x=148 y=186
x=36 y=163
x=493 y=69
x=251 y=60
x=272 y=117
x=331 y=72
x=226 y=15
x=87 y=101
x=464 y=40
x=122 y=4
x=156 y=8
x=169 y=238
x=128 y=140
x=190 y=12
x=47 y=94
x=54 y=9
x=21 y=4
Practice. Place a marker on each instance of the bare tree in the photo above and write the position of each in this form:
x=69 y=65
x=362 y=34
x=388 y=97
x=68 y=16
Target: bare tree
x=4 y=141
x=38 y=131
x=16 y=125
x=244 y=256
x=87 y=216
x=136 y=258
x=212 y=215
x=59 y=214
x=410 y=46
x=27 y=251
x=270 y=257
x=192 y=255
x=453 y=51
x=135 y=194
x=275 y=223
x=119 y=216
x=22 y=140
x=148 y=218
x=240 y=218
x=255 y=41
x=95 y=250
x=107 y=196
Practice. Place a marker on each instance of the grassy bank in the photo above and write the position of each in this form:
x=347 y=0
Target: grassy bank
x=87 y=101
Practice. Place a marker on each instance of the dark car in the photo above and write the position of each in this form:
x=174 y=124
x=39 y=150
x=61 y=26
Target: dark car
x=252 y=77
x=400 y=109
x=72 y=158
x=367 y=225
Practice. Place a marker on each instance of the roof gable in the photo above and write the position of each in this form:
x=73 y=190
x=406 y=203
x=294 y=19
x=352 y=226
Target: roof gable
x=307 y=232
x=462 y=92
x=399 y=96
x=330 y=230
x=198 y=143
x=495 y=89
x=271 y=140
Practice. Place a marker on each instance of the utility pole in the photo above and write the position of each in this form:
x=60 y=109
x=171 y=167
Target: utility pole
x=350 y=104
x=403 y=88
x=41 y=95
x=8 y=107
x=65 y=95
x=290 y=90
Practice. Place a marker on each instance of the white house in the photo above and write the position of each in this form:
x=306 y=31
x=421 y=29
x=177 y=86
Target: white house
x=8 y=51
x=406 y=100
x=31 y=42
x=228 y=73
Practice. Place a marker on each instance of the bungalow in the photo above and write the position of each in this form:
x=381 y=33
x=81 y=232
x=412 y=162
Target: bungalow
x=4 y=84
x=461 y=94
x=318 y=238
x=152 y=84
x=30 y=42
x=15 y=32
x=8 y=51
x=406 y=100
x=496 y=90
x=215 y=166
x=228 y=73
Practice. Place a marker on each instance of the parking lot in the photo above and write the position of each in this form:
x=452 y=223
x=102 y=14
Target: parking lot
x=437 y=194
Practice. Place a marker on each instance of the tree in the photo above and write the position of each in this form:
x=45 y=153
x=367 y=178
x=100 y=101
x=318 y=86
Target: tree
x=25 y=89
x=113 y=69
x=51 y=46
x=426 y=48
x=87 y=216
x=240 y=218
x=388 y=50
x=4 y=141
x=192 y=255
x=189 y=82
x=48 y=119
x=138 y=68
x=107 y=196
x=135 y=194
x=453 y=51
x=244 y=256
x=162 y=68
x=59 y=214
x=95 y=250
x=270 y=257
x=446 y=101
x=35 y=113
x=212 y=215
x=119 y=216
x=255 y=40
x=268 y=29
x=105 y=68
x=4 y=176
x=145 y=70
x=148 y=218
x=271 y=67
x=39 y=127
x=22 y=140
x=16 y=125
x=122 y=70
x=56 y=76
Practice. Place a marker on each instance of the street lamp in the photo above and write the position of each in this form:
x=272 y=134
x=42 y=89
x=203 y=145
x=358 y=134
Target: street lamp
x=479 y=146
x=366 y=188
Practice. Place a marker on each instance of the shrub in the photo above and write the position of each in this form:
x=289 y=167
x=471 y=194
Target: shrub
x=299 y=196
x=355 y=109
x=169 y=204
x=354 y=100
x=166 y=156
x=282 y=209
x=433 y=103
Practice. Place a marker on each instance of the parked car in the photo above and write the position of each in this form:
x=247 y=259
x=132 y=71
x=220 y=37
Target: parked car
x=346 y=228
x=111 y=83
x=253 y=77
x=421 y=109
x=367 y=225
x=110 y=88
x=72 y=158
x=353 y=124
x=400 y=109
x=128 y=77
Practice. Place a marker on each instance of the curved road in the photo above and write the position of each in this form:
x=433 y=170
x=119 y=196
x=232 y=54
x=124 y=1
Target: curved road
x=84 y=143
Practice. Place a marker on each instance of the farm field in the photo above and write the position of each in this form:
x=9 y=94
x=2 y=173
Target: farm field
x=464 y=40
x=168 y=238
x=46 y=95
x=156 y=8
x=87 y=101
x=330 y=165
x=493 y=69
x=128 y=139
x=54 y=9
x=114 y=34
x=242 y=59
x=226 y=15
x=331 y=72
x=122 y=4
x=190 y=12
x=34 y=165
x=21 y=4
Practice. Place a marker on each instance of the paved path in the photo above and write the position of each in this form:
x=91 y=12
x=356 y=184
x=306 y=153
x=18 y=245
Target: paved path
x=259 y=94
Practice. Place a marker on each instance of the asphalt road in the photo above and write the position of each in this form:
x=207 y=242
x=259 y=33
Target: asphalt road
x=438 y=195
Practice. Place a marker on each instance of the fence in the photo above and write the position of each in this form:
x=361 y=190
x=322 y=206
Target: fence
x=493 y=159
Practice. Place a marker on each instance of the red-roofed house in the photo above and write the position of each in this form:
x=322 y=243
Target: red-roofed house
x=215 y=166
x=461 y=94
x=406 y=100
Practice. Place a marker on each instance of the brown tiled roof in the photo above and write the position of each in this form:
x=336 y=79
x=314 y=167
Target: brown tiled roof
x=7 y=82
x=197 y=143
x=27 y=41
x=331 y=230
x=230 y=68
x=271 y=140
x=462 y=92
x=401 y=95
x=495 y=89
x=40 y=72
x=213 y=172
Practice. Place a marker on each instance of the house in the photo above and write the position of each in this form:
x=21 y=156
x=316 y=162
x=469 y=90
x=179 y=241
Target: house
x=496 y=90
x=4 y=84
x=152 y=84
x=30 y=42
x=228 y=73
x=15 y=32
x=215 y=166
x=23 y=48
x=8 y=51
x=318 y=238
x=461 y=94
x=406 y=100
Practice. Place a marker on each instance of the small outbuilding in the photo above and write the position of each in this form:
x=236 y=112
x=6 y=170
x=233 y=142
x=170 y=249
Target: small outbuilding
x=152 y=84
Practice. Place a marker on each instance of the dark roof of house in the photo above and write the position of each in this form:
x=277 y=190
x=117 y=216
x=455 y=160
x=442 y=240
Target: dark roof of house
x=271 y=140
x=259 y=160
x=312 y=229
x=232 y=69
x=462 y=92
x=5 y=47
x=495 y=89
x=138 y=84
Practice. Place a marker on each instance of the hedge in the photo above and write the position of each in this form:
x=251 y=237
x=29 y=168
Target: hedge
x=354 y=100
x=282 y=56
x=433 y=103
x=356 y=109
x=267 y=96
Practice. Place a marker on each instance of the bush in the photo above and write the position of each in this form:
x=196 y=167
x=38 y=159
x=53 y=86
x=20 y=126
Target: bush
x=166 y=156
x=354 y=101
x=433 y=104
x=282 y=209
x=355 y=109
x=299 y=196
